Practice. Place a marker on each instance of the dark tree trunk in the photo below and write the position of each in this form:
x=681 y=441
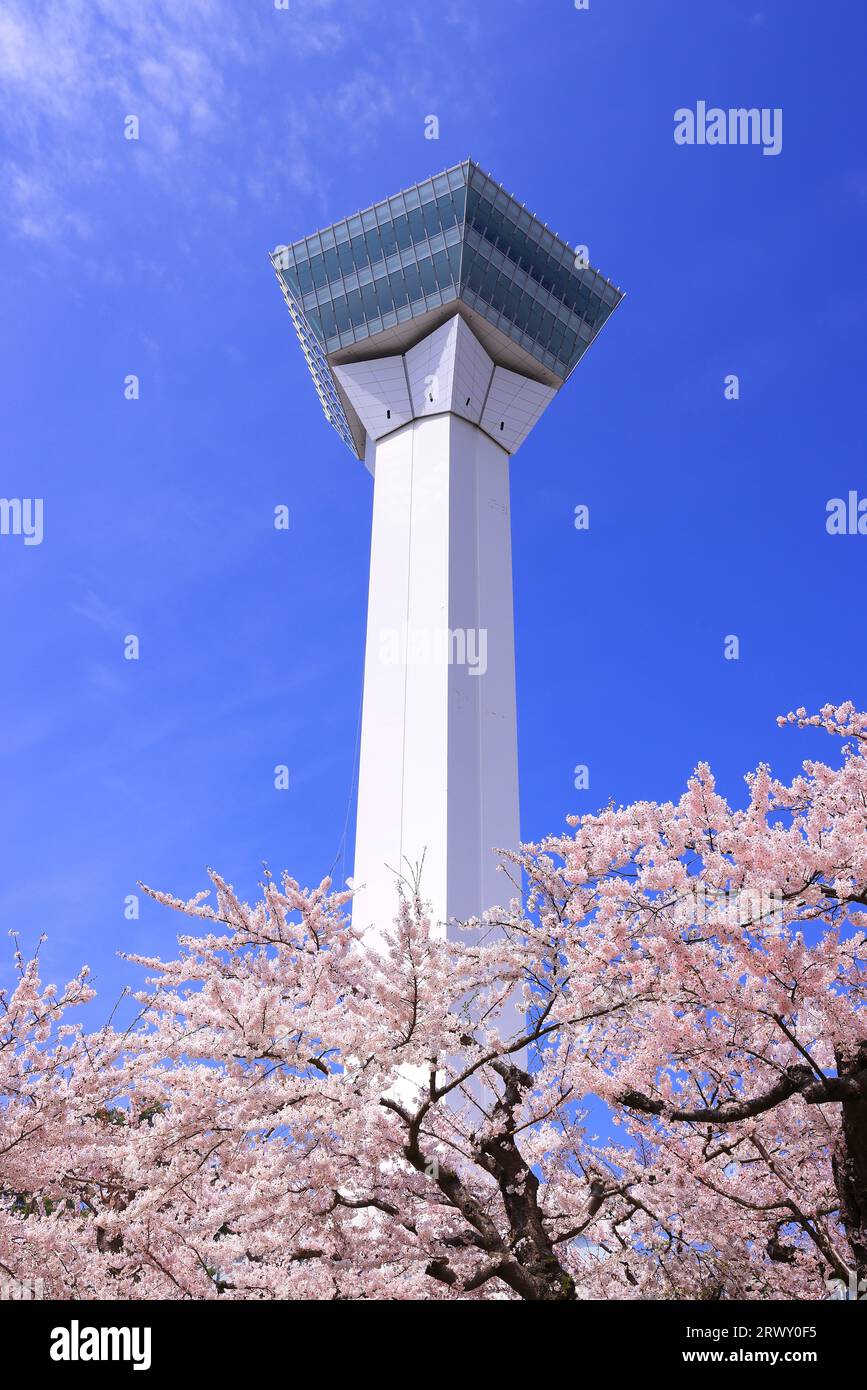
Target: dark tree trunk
x=850 y=1162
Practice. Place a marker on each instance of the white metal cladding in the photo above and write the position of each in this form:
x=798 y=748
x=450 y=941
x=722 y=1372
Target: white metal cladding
x=513 y=406
x=377 y=390
x=429 y=368
x=472 y=374
x=438 y=774
x=448 y=372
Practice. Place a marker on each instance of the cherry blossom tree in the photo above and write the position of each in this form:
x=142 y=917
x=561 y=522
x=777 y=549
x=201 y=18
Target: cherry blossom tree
x=681 y=1113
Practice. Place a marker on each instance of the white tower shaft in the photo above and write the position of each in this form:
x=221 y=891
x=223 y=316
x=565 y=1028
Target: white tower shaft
x=438 y=776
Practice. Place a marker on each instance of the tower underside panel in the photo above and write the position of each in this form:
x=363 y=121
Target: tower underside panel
x=378 y=393
x=449 y=372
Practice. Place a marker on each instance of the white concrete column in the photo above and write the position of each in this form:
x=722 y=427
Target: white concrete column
x=438 y=777
x=438 y=773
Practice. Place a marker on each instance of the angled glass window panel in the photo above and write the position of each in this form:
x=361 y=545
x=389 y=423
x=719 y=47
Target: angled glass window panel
x=341 y=313
x=328 y=320
x=442 y=270
x=413 y=283
x=345 y=258
x=411 y=198
x=570 y=341
x=489 y=280
x=327 y=238
x=426 y=192
x=305 y=279
x=388 y=238
x=473 y=274
x=313 y=319
x=451 y=236
x=368 y=299
x=383 y=296
x=509 y=297
x=478 y=211
x=494 y=226
x=398 y=289
x=416 y=225
x=374 y=246
x=368 y=219
x=332 y=266
x=430 y=212
x=354 y=224
x=517 y=248
x=402 y=233
x=522 y=311
x=548 y=321
x=441 y=185
x=359 y=252
x=356 y=312
x=428 y=279
x=534 y=321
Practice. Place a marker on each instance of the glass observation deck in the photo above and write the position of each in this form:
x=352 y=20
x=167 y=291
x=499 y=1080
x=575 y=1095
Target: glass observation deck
x=376 y=283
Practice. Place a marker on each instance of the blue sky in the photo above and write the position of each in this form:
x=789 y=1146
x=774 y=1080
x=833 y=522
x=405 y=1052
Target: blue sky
x=150 y=257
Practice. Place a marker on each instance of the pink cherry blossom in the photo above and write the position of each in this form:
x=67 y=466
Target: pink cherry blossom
x=295 y=1114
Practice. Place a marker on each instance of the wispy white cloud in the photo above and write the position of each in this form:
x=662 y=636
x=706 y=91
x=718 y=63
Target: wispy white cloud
x=193 y=73
x=96 y=610
x=72 y=70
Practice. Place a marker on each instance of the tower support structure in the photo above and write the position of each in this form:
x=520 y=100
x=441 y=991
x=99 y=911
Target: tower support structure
x=438 y=771
x=437 y=325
